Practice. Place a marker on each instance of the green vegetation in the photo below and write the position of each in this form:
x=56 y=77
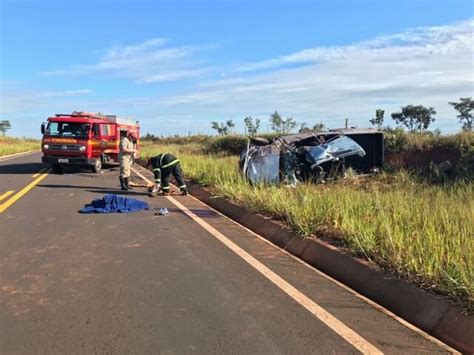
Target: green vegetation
x=17 y=145
x=402 y=149
x=420 y=231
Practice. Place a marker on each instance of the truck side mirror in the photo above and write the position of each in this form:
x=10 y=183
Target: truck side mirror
x=43 y=129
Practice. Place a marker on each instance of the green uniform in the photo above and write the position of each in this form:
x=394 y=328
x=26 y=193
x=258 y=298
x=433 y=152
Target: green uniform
x=165 y=165
x=125 y=158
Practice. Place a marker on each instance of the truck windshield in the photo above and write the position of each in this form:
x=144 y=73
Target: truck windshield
x=68 y=129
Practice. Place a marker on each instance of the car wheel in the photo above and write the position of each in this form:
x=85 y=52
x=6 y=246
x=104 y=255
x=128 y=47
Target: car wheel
x=97 y=167
x=57 y=169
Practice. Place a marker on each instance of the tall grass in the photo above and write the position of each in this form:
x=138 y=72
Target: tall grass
x=17 y=145
x=423 y=232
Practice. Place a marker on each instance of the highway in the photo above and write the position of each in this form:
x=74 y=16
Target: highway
x=189 y=282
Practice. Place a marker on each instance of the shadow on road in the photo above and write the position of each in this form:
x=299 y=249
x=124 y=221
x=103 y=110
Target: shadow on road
x=25 y=168
x=60 y=186
x=120 y=192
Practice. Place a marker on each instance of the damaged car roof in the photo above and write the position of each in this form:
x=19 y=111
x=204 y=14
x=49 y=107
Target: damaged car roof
x=295 y=157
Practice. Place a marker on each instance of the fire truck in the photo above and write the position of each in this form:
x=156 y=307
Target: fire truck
x=85 y=139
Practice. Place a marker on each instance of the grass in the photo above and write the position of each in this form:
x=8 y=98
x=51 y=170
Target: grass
x=420 y=231
x=17 y=145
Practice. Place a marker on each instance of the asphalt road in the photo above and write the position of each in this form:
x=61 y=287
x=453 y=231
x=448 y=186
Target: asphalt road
x=141 y=283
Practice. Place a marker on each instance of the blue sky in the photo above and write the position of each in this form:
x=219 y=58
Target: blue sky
x=178 y=65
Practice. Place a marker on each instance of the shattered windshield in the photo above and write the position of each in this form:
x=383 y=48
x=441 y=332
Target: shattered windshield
x=335 y=149
x=68 y=129
x=284 y=161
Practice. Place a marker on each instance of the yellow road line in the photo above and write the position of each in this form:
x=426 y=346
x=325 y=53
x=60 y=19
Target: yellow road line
x=22 y=192
x=6 y=194
x=39 y=172
x=319 y=312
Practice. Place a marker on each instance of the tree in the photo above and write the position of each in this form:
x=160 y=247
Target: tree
x=304 y=128
x=280 y=125
x=5 y=126
x=318 y=127
x=464 y=107
x=252 y=127
x=230 y=124
x=221 y=128
x=415 y=118
x=276 y=122
x=378 y=120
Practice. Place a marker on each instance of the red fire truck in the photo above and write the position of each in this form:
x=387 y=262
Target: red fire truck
x=84 y=139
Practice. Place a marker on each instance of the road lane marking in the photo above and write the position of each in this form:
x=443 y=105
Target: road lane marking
x=18 y=155
x=6 y=194
x=347 y=288
x=22 y=192
x=39 y=172
x=336 y=325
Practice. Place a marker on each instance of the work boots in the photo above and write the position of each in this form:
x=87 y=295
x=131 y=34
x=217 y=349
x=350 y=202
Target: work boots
x=123 y=185
x=127 y=183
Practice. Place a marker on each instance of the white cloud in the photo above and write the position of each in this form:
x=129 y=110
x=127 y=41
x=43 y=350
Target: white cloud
x=421 y=41
x=54 y=94
x=14 y=100
x=429 y=66
x=148 y=62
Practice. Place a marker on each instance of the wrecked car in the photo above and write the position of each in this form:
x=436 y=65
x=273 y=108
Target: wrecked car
x=310 y=156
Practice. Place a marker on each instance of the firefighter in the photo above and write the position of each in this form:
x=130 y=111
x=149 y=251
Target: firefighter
x=126 y=153
x=163 y=166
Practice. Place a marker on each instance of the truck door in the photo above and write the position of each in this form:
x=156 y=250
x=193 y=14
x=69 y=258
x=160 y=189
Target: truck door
x=108 y=142
x=96 y=141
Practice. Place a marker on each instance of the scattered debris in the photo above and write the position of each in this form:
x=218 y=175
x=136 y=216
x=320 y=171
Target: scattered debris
x=138 y=184
x=162 y=212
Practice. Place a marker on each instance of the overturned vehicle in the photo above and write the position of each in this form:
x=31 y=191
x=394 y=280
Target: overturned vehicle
x=311 y=156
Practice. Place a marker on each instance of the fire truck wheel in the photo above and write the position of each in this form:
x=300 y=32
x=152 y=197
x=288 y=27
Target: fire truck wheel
x=97 y=167
x=57 y=169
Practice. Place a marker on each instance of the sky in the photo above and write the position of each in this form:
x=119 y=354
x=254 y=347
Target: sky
x=176 y=66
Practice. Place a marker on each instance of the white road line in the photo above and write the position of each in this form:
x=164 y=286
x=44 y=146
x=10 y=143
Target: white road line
x=340 y=328
x=18 y=155
x=347 y=288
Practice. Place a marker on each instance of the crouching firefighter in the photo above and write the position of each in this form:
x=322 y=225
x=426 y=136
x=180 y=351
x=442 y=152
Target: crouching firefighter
x=163 y=165
x=126 y=153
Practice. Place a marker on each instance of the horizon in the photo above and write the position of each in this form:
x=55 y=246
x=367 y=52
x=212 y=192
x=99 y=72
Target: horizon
x=178 y=66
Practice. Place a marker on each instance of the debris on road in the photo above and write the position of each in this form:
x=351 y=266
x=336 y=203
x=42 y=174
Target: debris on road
x=162 y=212
x=114 y=203
x=138 y=184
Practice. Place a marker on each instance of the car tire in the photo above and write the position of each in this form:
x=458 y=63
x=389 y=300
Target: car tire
x=57 y=168
x=97 y=167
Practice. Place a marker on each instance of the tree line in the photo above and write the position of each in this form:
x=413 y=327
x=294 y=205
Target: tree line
x=415 y=118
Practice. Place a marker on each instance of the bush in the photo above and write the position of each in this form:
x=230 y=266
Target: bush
x=232 y=145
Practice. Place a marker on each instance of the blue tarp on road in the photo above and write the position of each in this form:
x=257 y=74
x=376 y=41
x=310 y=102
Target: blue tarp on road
x=114 y=203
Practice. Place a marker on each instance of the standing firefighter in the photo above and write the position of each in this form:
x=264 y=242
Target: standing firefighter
x=163 y=166
x=126 y=159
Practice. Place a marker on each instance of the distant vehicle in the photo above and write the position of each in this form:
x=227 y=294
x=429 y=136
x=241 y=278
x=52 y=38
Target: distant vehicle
x=84 y=139
x=311 y=156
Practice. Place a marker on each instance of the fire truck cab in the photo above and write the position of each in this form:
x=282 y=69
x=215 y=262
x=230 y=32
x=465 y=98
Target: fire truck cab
x=85 y=139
